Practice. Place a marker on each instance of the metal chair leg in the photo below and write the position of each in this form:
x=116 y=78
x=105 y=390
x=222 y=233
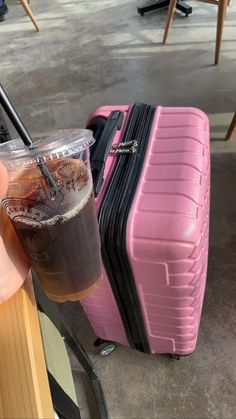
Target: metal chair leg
x=62 y=403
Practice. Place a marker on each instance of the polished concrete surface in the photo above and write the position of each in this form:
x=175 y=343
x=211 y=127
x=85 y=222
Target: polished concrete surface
x=89 y=53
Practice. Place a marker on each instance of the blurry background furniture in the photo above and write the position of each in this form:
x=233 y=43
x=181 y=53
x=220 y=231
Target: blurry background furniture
x=29 y=13
x=231 y=128
x=151 y=5
x=222 y=6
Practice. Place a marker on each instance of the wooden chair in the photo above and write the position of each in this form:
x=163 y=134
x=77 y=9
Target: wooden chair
x=27 y=8
x=24 y=387
x=231 y=128
x=222 y=6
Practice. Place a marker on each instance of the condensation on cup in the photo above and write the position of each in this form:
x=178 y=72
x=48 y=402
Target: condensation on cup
x=57 y=228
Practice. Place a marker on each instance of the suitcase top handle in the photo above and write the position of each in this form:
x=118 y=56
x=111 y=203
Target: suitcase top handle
x=98 y=159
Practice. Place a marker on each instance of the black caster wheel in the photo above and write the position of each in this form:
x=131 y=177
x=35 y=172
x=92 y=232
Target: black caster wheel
x=176 y=357
x=107 y=350
x=140 y=12
x=99 y=342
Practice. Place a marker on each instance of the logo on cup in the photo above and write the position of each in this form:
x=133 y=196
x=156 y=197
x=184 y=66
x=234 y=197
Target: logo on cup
x=32 y=222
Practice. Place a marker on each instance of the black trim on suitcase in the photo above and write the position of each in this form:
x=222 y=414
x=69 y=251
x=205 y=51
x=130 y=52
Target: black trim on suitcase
x=97 y=126
x=99 y=156
x=113 y=219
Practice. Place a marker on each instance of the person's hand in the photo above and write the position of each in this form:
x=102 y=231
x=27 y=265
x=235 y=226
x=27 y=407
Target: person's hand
x=14 y=264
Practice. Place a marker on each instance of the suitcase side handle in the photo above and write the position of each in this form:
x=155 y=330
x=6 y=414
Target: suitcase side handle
x=98 y=159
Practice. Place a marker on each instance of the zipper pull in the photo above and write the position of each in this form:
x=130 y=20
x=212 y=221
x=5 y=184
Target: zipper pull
x=130 y=150
x=125 y=145
x=130 y=147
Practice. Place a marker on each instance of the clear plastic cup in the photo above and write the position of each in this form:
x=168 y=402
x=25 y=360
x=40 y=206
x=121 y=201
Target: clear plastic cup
x=58 y=228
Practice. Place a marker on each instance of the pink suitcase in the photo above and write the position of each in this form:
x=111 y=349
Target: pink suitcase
x=152 y=182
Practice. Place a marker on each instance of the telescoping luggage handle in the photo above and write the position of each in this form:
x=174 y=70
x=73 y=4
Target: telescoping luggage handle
x=113 y=124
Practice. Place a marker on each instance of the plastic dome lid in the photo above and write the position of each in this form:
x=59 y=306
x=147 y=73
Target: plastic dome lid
x=47 y=147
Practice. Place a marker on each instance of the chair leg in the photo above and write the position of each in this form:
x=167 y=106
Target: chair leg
x=29 y=12
x=231 y=128
x=220 y=24
x=170 y=15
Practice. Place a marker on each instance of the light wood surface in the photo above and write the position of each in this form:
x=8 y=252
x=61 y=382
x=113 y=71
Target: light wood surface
x=30 y=14
x=216 y=2
x=170 y=15
x=24 y=388
x=220 y=25
x=231 y=128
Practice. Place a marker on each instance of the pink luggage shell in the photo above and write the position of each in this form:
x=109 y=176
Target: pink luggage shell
x=167 y=233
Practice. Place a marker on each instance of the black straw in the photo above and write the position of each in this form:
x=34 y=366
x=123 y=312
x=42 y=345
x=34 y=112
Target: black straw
x=25 y=136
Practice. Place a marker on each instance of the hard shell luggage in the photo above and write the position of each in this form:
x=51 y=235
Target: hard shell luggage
x=151 y=172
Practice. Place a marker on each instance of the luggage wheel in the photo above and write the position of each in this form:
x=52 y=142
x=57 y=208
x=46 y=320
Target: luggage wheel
x=99 y=342
x=175 y=356
x=107 y=349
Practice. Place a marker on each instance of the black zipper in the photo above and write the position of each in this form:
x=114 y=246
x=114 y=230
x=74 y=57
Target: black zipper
x=113 y=219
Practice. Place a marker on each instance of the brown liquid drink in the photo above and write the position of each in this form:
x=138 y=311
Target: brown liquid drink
x=62 y=253
x=59 y=233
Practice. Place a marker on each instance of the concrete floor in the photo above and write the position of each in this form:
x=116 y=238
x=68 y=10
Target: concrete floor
x=90 y=53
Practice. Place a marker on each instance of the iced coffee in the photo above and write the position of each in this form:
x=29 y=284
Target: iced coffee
x=57 y=228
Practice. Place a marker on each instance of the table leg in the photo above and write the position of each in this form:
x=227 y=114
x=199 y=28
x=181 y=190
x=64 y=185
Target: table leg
x=220 y=24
